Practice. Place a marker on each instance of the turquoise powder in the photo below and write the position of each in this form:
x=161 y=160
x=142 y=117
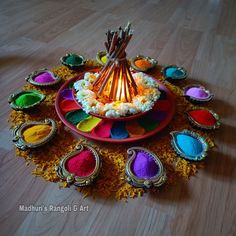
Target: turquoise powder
x=174 y=72
x=189 y=145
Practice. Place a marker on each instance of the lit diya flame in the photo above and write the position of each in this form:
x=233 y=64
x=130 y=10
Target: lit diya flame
x=115 y=81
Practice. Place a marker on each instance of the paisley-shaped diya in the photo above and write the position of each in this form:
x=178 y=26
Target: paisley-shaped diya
x=43 y=77
x=101 y=58
x=142 y=63
x=197 y=93
x=34 y=134
x=174 y=73
x=189 y=145
x=73 y=61
x=80 y=167
x=144 y=169
x=203 y=118
x=25 y=99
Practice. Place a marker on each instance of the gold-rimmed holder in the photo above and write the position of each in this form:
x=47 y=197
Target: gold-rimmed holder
x=19 y=140
x=152 y=61
x=155 y=181
x=71 y=178
x=31 y=76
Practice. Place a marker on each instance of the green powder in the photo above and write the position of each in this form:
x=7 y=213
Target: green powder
x=74 y=60
x=27 y=99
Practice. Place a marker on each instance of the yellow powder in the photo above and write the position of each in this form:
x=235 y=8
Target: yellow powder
x=36 y=133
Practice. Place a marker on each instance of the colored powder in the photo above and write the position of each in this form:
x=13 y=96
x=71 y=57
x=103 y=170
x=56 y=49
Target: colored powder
x=74 y=117
x=44 y=78
x=189 y=145
x=147 y=123
x=197 y=93
x=134 y=129
x=73 y=60
x=27 y=99
x=88 y=124
x=67 y=94
x=103 y=129
x=104 y=59
x=118 y=131
x=143 y=63
x=69 y=105
x=163 y=95
x=203 y=117
x=144 y=166
x=174 y=72
x=36 y=133
x=81 y=165
x=157 y=115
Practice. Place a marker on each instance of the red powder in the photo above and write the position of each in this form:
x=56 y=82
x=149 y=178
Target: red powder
x=81 y=165
x=203 y=117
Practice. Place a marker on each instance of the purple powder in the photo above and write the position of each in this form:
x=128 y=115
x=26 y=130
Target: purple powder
x=44 y=78
x=197 y=92
x=67 y=94
x=144 y=166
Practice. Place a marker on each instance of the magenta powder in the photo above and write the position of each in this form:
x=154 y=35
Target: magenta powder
x=197 y=93
x=144 y=166
x=43 y=78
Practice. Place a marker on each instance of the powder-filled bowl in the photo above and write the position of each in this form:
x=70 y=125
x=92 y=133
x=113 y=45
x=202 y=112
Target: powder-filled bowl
x=189 y=145
x=25 y=99
x=196 y=93
x=73 y=61
x=43 y=78
x=144 y=169
x=203 y=118
x=101 y=57
x=174 y=73
x=80 y=167
x=143 y=63
x=34 y=134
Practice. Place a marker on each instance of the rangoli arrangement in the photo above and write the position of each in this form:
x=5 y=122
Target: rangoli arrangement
x=114 y=127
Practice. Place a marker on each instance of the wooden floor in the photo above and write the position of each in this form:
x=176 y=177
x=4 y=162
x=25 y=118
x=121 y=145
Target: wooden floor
x=198 y=35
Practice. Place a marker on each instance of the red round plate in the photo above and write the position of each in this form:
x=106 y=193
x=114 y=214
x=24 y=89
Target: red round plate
x=163 y=124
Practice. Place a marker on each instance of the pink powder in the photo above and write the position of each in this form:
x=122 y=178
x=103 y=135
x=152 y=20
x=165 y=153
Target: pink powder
x=197 y=93
x=82 y=165
x=44 y=78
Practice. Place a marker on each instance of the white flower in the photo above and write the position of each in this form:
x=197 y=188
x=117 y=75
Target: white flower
x=84 y=94
x=90 y=77
x=82 y=84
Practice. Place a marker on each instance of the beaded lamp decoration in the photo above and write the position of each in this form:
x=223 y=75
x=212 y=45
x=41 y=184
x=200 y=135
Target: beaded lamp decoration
x=115 y=81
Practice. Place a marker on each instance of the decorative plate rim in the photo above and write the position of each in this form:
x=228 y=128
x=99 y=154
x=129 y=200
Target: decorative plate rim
x=170 y=97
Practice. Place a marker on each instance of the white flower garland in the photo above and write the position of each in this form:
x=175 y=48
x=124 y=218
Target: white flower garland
x=148 y=94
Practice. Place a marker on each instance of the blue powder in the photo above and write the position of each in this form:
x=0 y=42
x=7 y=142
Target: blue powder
x=174 y=72
x=189 y=145
x=118 y=131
